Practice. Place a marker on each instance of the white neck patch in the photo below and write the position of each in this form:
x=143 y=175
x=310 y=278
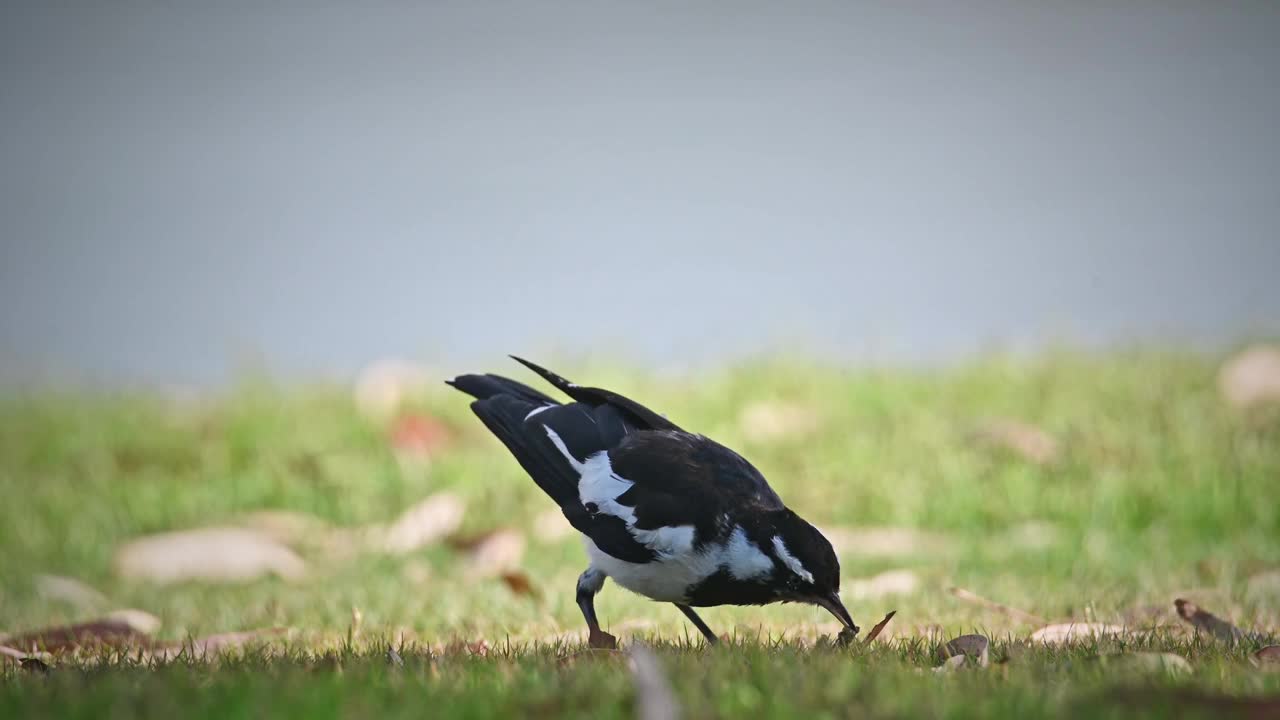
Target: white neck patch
x=790 y=560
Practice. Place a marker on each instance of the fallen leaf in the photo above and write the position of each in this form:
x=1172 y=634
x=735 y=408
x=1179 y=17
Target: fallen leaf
x=1269 y=655
x=655 y=700
x=69 y=590
x=96 y=633
x=1023 y=439
x=969 y=596
x=950 y=664
x=892 y=582
x=11 y=653
x=520 y=584
x=429 y=521
x=495 y=553
x=143 y=622
x=1251 y=378
x=974 y=646
x=215 y=554
x=1075 y=631
x=32 y=664
x=879 y=628
x=1208 y=622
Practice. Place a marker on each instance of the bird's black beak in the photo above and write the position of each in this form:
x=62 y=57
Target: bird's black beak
x=835 y=606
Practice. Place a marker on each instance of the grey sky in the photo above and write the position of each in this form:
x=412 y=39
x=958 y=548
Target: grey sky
x=455 y=181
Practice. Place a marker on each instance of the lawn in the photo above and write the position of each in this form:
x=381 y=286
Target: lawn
x=1063 y=487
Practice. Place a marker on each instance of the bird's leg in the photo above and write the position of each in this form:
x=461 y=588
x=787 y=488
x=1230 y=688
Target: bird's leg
x=697 y=622
x=589 y=583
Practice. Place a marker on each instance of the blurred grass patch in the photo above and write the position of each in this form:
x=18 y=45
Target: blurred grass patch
x=1157 y=487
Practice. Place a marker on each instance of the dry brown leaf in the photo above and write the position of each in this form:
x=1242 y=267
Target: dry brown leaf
x=520 y=584
x=1269 y=655
x=1207 y=621
x=1075 y=631
x=215 y=554
x=969 y=596
x=140 y=620
x=34 y=664
x=11 y=653
x=495 y=553
x=429 y=521
x=94 y=633
x=974 y=646
x=1023 y=439
x=879 y=627
x=1251 y=378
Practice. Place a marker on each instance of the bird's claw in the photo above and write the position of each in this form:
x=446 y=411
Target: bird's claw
x=602 y=640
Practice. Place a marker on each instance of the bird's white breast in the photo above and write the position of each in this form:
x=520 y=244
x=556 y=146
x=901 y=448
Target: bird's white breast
x=669 y=577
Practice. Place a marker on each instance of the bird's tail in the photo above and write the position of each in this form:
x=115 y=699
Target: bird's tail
x=504 y=405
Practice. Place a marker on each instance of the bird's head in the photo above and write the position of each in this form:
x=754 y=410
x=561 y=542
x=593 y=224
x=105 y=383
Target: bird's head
x=807 y=568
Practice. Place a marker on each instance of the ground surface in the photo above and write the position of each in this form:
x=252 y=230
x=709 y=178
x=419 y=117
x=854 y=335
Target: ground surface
x=1078 y=488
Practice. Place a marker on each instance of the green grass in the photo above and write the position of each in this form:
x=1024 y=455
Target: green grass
x=1159 y=491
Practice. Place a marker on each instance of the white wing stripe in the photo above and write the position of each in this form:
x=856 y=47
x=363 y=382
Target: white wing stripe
x=555 y=439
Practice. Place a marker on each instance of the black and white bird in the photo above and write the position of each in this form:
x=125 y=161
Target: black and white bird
x=666 y=513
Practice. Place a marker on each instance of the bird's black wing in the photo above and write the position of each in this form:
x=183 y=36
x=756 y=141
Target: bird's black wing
x=666 y=477
x=680 y=478
x=551 y=441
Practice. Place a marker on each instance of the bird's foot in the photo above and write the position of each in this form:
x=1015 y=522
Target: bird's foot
x=602 y=640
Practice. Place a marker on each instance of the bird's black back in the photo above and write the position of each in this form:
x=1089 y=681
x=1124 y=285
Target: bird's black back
x=679 y=478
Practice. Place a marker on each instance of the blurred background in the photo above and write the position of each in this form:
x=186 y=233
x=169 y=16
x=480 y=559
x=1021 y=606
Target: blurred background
x=301 y=187
x=972 y=283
